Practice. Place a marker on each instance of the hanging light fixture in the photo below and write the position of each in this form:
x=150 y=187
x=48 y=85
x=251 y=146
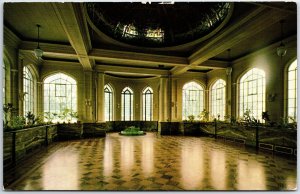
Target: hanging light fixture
x=38 y=51
x=281 y=50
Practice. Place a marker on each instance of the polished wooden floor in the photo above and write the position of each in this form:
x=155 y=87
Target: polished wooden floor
x=153 y=162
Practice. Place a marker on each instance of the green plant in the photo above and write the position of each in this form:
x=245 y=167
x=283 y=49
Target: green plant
x=248 y=119
x=204 y=115
x=40 y=119
x=30 y=118
x=8 y=110
x=191 y=118
x=48 y=117
x=17 y=122
x=73 y=115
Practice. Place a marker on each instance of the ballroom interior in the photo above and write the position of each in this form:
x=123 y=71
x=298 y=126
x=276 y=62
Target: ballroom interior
x=149 y=96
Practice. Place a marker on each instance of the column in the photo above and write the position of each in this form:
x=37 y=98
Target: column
x=228 y=91
x=20 y=83
x=88 y=79
x=100 y=98
x=163 y=100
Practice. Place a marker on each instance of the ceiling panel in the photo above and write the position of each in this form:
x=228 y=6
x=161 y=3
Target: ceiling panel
x=23 y=17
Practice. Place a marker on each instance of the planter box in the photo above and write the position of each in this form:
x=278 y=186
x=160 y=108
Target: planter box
x=192 y=128
x=69 y=131
x=94 y=129
x=18 y=144
x=170 y=128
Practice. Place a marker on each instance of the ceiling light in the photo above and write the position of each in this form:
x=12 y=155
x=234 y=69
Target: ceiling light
x=281 y=50
x=38 y=51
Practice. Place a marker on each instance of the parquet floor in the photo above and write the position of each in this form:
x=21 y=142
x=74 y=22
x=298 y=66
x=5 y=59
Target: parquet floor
x=153 y=162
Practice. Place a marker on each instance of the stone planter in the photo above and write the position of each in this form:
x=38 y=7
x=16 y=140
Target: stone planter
x=192 y=128
x=70 y=130
x=94 y=129
x=18 y=144
x=170 y=128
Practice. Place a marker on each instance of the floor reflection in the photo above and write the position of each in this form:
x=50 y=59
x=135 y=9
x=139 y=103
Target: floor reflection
x=218 y=169
x=191 y=166
x=152 y=162
x=147 y=156
x=108 y=161
x=61 y=171
x=251 y=175
x=127 y=155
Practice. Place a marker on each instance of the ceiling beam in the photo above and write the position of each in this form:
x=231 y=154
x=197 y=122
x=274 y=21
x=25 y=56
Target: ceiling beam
x=259 y=21
x=124 y=57
x=136 y=70
x=49 y=48
x=71 y=17
x=280 y=6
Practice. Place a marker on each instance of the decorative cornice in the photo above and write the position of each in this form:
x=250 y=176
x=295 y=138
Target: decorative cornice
x=10 y=39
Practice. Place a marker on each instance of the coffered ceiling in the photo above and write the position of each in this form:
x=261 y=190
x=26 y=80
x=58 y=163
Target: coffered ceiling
x=68 y=35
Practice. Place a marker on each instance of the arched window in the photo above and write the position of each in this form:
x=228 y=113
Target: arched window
x=127 y=104
x=4 y=81
x=147 y=104
x=292 y=91
x=252 y=93
x=192 y=100
x=60 y=97
x=218 y=97
x=28 y=89
x=108 y=93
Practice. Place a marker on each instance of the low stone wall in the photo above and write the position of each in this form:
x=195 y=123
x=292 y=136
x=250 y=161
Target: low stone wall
x=18 y=144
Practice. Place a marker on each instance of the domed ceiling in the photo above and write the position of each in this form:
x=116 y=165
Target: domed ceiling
x=159 y=25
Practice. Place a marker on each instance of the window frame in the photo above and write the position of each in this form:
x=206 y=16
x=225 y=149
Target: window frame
x=247 y=81
x=109 y=90
x=288 y=98
x=200 y=93
x=214 y=88
x=148 y=91
x=127 y=92
x=52 y=103
x=28 y=91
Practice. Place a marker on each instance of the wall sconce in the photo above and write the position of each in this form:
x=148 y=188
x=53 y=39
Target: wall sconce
x=22 y=95
x=136 y=105
x=118 y=105
x=87 y=102
x=271 y=97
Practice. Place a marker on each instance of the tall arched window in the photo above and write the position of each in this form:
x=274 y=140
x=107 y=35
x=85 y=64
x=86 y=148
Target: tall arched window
x=127 y=104
x=147 y=104
x=292 y=91
x=28 y=89
x=218 y=97
x=192 y=100
x=60 y=96
x=252 y=93
x=108 y=93
x=4 y=83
